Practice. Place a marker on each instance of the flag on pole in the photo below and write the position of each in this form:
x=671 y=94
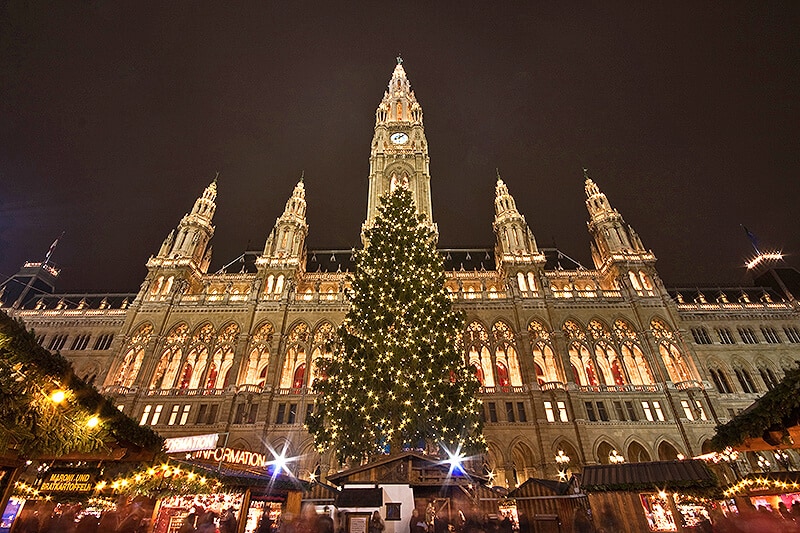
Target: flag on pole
x=52 y=247
x=753 y=239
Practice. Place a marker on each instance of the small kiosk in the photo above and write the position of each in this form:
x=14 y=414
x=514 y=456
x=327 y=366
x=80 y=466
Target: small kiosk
x=654 y=496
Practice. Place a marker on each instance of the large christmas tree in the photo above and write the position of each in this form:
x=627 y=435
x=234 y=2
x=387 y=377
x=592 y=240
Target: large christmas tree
x=397 y=379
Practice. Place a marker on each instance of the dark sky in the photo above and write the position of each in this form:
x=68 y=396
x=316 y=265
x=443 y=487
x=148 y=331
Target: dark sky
x=115 y=115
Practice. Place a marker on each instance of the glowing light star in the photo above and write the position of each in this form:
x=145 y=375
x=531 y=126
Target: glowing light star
x=58 y=396
x=763 y=258
x=93 y=422
x=455 y=460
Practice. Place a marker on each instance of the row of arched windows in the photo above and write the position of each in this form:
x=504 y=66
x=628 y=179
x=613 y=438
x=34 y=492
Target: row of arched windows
x=721 y=376
x=598 y=355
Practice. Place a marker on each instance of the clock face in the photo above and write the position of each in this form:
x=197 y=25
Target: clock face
x=399 y=137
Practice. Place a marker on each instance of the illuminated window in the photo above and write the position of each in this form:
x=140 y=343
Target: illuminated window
x=687 y=410
x=156 y=415
x=173 y=415
x=185 y=415
x=657 y=409
x=145 y=414
x=700 y=410
x=548 y=411
x=562 y=411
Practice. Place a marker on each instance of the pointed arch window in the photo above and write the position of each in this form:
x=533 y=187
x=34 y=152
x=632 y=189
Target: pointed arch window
x=476 y=341
x=134 y=355
x=295 y=356
x=259 y=355
x=543 y=352
x=506 y=355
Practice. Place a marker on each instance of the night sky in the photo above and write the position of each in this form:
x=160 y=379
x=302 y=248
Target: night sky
x=115 y=115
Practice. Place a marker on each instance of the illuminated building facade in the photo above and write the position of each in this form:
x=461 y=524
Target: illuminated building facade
x=601 y=364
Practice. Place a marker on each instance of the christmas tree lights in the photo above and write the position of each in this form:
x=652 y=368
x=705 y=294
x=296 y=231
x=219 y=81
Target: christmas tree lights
x=397 y=379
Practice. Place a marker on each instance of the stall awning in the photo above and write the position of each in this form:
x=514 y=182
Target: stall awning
x=360 y=498
x=657 y=475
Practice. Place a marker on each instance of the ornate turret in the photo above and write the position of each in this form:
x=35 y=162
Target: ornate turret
x=617 y=250
x=399 y=152
x=185 y=254
x=515 y=243
x=285 y=246
x=188 y=244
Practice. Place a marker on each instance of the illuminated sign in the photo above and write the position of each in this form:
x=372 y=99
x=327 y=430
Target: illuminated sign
x=192 y=443
x=229 y=455
x=69 y=481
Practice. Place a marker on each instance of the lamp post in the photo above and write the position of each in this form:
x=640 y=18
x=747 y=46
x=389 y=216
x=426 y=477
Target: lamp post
x=782 y=458
x=615 y=458
x=562 y=460
x=764 y=464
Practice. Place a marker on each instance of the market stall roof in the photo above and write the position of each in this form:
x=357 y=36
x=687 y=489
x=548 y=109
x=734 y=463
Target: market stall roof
x=251 y=477
x=410 y=467
x=537 y=487
x=773 y=421
x=657 y=475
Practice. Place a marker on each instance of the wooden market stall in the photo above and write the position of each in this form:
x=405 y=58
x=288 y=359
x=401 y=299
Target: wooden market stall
x=654 y=496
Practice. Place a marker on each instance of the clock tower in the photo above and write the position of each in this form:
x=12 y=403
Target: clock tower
x=399 y=151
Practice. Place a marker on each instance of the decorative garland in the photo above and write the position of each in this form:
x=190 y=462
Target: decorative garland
x=776 y=411
x=34 y=424
x=163 y=481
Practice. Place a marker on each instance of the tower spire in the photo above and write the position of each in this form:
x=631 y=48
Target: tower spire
x=515 y=243
x=613 y=238
x=285 y=245
x=399 y=150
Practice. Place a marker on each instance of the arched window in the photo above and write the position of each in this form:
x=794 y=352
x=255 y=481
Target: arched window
x=677 y=367
x=637 y=453
x=258 y=355
x=324 y=336
x=399 y=110
x=506 y=355
x=171 y=356
x=476 y=341
x=767 y=376
x=199 y=347
x=636 y=364
x=543 y=353
x=134 y=355
x=720 y=381
x=222 y=360
x=299 y=376
x=745 y=380
x=667 y=452
x=186 y=376
x=296 y=351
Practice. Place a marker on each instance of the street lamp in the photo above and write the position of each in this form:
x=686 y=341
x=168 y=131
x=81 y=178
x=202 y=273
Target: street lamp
x=783 y=459
x=615 y=458
x=562 y=460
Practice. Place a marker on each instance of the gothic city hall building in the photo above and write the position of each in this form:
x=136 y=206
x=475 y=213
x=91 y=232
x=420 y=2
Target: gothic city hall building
x=601 y=363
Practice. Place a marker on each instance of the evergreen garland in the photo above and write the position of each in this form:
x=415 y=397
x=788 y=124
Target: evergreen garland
x=776 y=411
x=33 y=425
x=397 y=379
